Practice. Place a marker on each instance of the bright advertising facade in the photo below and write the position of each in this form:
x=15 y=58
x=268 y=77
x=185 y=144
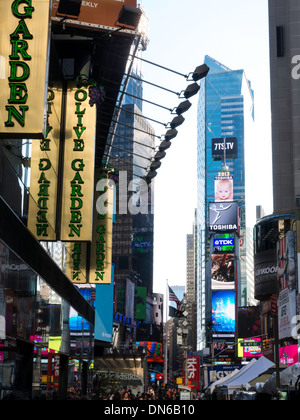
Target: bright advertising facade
x=50 y=140
x=223 y=124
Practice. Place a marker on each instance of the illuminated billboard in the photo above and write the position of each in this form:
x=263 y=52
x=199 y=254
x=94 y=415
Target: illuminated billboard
x=286 y=263
x=154 y=350
x=288 y=355
x=223 y=243
x=249 y=347
x=223 y=188
x=224 y=147
x=222 y=271
x=223 y=216
x=104 y=311
x=223 y=312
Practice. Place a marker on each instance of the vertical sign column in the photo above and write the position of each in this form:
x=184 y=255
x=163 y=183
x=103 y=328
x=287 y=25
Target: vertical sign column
x=101 y=247
x=44 y=173
x=78 y=171
x=24 y=46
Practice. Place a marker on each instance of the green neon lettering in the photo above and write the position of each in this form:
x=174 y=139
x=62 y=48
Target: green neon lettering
x=74 y=229
x=13 y=71
x=19 y=46
x=21 y=29
x=28 y=10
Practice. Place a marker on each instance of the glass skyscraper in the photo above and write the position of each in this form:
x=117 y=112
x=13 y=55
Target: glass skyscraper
x=225 y=110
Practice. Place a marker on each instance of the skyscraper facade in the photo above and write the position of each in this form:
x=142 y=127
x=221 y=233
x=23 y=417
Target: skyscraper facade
x=225 y=119
x=130 y=153
x=284 y=33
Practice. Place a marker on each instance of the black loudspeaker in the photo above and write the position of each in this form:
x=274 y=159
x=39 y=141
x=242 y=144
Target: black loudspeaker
x=69 y=7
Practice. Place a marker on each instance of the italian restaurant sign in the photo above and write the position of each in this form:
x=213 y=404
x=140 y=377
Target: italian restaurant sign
x=44 y=173
x=78 y=171
x=24 y=46
x=101 y=247
x=76 y=262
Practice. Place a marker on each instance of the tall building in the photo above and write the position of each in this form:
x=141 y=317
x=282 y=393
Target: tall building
x=276 y=237
x=130 y=152
x=284 y=32
x=191 y=284
x=225 y=120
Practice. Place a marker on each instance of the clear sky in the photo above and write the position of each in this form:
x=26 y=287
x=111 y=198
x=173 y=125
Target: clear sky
x=181 y=33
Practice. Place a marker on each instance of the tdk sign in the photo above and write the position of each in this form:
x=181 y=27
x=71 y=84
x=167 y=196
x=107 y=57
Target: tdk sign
x=224 y=242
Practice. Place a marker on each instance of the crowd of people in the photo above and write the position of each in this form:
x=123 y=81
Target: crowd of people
x=125 y=394
x=149 y=394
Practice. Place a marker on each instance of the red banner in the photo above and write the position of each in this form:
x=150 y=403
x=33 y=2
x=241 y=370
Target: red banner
x=193 y=369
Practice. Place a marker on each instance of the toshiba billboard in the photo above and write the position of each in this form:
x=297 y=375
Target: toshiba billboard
x=98 y=12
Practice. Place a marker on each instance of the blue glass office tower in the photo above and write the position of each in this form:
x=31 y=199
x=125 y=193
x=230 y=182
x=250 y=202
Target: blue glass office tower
x=225 y=110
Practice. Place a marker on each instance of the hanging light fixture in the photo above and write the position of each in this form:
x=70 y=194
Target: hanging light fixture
x=199 y=72
x=159 y=155
x=191 y=90
x=177 y=121
x=171 y=134
x=182 y=107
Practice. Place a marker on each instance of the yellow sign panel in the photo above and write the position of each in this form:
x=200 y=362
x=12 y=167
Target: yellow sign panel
x=44 y=173
x=76 y=262
x=101 y=247
x=24 y=45
x=78 y=171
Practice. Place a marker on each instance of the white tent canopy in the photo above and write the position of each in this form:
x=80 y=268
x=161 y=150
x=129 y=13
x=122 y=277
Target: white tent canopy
x=222 y=380
x=243 y=376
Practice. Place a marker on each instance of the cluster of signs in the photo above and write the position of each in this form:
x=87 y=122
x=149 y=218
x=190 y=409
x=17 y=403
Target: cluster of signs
x=62 y=197
x=223 y=224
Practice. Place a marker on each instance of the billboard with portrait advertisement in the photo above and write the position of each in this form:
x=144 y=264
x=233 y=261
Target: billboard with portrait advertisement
x=224 y=188
x=286 y=263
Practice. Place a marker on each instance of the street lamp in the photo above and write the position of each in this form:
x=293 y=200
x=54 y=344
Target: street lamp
x=182 y=107
x=191 y=90
x=199 y=72
x=177 y=121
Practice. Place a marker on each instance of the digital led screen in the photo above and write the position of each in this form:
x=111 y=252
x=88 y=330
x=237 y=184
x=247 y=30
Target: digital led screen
x=225 y=146
x=249 y=347
x=223 y=242
x=154 y=350
x=222 y=271
x=223 y=311
x=223 y=188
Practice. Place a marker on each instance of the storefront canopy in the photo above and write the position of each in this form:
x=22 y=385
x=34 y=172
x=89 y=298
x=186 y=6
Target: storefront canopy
x=243 y=376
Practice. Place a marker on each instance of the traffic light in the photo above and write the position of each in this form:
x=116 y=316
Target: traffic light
x=266 y=344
